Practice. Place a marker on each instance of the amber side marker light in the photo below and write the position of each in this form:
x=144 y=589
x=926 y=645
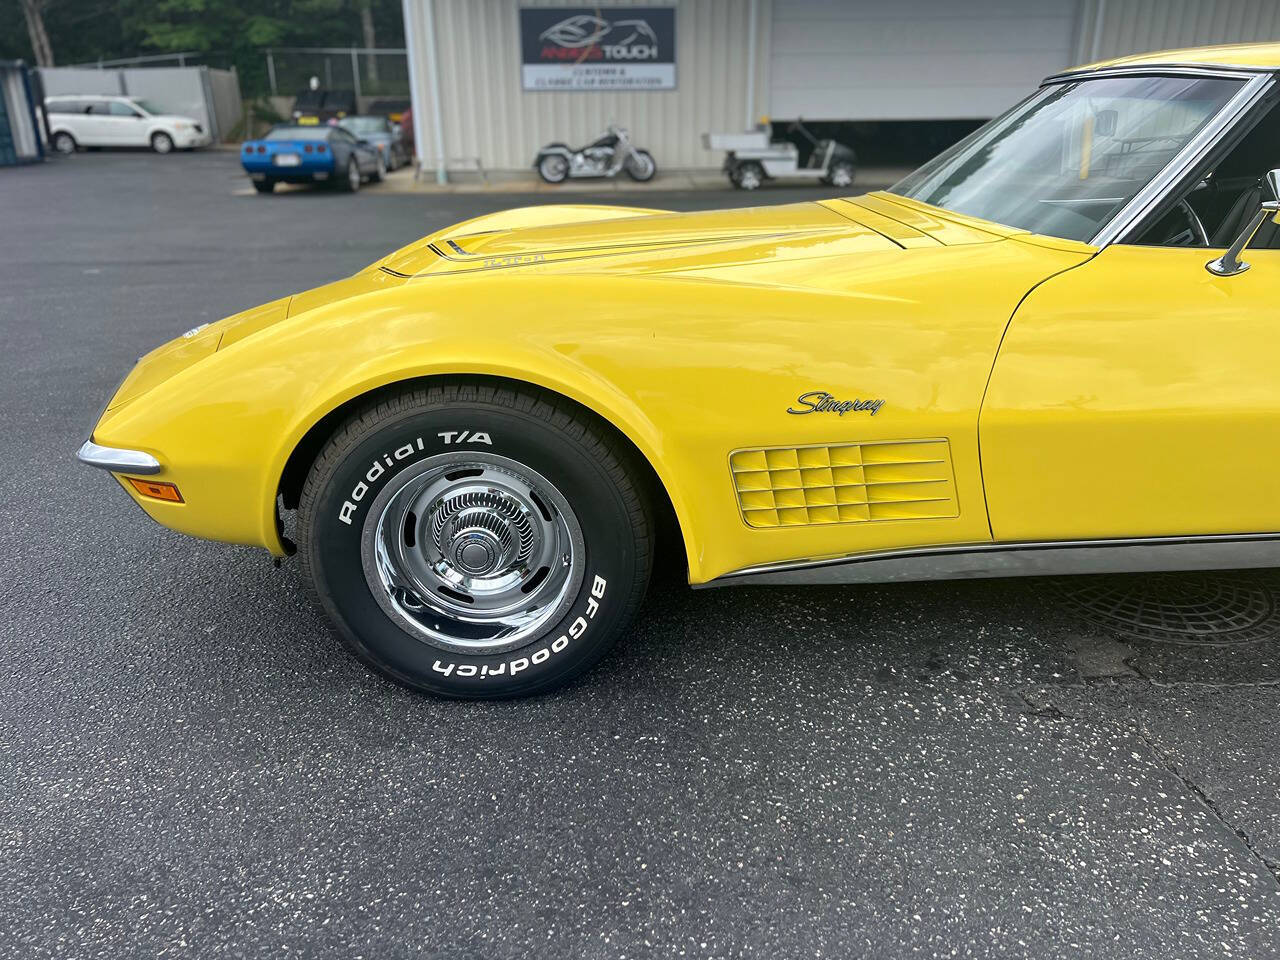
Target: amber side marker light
x=156 y=489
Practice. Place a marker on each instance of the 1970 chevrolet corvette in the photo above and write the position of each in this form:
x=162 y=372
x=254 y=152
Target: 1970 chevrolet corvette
x=1053 y=349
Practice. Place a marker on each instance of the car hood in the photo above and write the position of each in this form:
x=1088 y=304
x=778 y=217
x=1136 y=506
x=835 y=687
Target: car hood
x=640 y=241
x=802 y=244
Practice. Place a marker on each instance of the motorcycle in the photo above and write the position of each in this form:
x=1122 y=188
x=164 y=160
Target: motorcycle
x=557 y=162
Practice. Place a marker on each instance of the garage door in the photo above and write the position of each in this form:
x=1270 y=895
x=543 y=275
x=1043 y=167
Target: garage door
x=913 y=59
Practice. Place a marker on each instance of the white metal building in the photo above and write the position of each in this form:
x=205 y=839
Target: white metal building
x=736 y=60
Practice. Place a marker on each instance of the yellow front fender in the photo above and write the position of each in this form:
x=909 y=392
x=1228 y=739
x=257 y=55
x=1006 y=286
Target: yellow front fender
x=692 y=352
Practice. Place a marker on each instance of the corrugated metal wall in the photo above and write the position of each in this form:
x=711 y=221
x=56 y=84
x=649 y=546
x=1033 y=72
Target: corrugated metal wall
x=1114 y=28
x=487 y=115
x=914 y=59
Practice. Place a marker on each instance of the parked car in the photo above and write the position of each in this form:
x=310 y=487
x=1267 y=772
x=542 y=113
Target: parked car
x=104 y=121
x=321 y=154
x=393 y=108
x=382 y=133
x=321 y=106
x=1044 y=352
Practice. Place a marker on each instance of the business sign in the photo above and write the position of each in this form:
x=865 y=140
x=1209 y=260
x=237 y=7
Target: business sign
x=598 y=48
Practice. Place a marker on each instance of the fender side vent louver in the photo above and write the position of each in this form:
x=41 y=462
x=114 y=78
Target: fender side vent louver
x=845 y=483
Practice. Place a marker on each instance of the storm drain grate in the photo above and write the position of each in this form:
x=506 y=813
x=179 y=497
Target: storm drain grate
x=1204 y=609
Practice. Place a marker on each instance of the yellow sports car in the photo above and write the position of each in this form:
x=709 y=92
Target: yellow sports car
x=1053 y=349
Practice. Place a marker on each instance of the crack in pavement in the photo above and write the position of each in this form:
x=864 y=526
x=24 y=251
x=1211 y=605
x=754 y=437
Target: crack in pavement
x=1167 y=761
x=1049 y=710
x=1212 y=684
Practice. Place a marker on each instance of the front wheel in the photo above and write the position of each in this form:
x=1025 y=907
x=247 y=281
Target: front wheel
x=161 y=142
x=379 y=168
x=476 y=541
x=641 y=166
x=553 y=168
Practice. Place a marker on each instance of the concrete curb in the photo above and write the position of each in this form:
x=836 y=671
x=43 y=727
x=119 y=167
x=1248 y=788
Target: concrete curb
x=402 y=181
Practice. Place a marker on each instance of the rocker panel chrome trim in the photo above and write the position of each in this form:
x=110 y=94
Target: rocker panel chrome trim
x=991 y=560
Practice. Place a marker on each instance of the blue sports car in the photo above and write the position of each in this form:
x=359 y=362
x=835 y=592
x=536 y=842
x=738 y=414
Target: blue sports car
x=311 y=154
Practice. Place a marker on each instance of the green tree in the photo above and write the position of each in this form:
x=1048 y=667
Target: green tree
x=226 y=32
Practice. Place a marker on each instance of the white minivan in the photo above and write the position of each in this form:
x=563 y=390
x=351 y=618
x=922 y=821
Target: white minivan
x=100 y=121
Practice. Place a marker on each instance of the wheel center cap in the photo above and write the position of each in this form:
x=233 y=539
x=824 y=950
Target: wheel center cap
x=476 y=552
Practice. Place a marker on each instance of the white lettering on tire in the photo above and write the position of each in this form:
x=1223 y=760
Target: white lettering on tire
x=539 y=656
x=347 y=512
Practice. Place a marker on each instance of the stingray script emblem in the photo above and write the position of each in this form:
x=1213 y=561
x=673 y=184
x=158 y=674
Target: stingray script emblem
x=819 y=401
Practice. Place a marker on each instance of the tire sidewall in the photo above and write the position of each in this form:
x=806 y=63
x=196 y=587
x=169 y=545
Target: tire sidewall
x=561 y=649
x=158 y=141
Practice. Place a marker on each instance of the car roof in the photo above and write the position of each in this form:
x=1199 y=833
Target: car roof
x=86 y=96
x=1249 y=56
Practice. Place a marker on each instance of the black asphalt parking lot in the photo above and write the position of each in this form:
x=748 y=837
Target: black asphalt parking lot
x=192 y=765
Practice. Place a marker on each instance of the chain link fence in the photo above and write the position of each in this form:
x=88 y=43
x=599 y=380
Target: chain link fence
x=286 y=71
x=368 y=72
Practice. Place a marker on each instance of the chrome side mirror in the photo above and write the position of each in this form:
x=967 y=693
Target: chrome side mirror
x=1230 y=264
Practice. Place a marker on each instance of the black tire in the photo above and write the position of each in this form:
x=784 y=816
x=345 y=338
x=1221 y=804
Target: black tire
x=350 y=182
x=264 y=186
x=161 y=142
x=644 y=170
x=748 y=176
x=64 y=143
x=841 y=174
x=587 y=465
x=553 y=168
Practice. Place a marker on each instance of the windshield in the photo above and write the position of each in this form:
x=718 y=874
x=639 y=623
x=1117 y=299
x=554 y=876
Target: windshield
x=1065 y=161
x=361 y=125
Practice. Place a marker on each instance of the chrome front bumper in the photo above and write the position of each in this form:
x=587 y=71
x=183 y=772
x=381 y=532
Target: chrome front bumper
x=117 y=460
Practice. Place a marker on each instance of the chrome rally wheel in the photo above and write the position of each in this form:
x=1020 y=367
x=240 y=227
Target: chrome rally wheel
x=474 y=553
x=476 y=541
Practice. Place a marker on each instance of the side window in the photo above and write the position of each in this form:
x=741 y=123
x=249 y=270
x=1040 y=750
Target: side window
x=119 y=109
x=343 y=135
x=1226 y=196
x=99 y=108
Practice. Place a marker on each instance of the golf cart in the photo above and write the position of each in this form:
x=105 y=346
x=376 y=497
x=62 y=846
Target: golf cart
x=752 y=158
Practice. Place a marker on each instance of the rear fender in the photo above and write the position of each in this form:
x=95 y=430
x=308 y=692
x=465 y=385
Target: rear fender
x=553 y=149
